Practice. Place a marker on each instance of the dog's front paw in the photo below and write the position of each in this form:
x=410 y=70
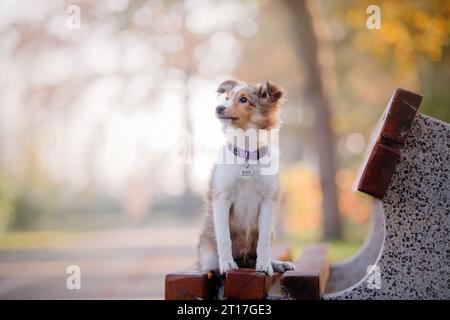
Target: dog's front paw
x=227 y=265
x=288 y=266
x=282 y=266
x=264 y=265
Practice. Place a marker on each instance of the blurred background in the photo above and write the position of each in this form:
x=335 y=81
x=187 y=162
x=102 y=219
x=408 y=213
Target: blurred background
x=97 y=97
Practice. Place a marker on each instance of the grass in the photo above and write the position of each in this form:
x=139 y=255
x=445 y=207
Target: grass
x=22 y=240
x=66 y=231
x=339 y=250
x=27 y=240
x=342 y=250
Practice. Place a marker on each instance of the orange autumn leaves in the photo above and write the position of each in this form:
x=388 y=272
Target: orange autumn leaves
x=407 y=28
x=352 y=204
x=302 y=199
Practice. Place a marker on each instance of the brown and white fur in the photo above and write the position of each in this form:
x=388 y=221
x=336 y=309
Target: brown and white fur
x=240 y=213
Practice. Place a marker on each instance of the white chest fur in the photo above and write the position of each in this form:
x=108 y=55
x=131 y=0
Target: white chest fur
x=244 y=195
x=252 y=204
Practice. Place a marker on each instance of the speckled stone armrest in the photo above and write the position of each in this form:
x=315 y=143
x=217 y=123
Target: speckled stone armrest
x=412 y=230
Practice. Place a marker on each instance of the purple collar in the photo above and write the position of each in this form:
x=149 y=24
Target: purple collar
x=248 y=155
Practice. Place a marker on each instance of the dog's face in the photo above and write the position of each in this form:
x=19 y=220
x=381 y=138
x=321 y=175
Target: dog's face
x=249 y=106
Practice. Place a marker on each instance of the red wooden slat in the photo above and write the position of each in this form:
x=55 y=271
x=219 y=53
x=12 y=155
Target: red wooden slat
x=309 y=279
x=400 y=115
x=190 y=285
x=396 y=124
x=247 y=284
x=378 y=171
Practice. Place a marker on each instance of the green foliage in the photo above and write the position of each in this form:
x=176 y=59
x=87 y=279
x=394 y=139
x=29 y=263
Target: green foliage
x=28 y=210
x=7 y=197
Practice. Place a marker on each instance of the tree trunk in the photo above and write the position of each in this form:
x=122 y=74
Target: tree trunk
x=308 y=42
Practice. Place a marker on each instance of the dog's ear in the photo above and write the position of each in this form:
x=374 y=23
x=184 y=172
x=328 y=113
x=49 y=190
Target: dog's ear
x=226 y=86
x=269 y=92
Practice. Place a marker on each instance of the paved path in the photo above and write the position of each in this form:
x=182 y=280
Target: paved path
x=127 y=264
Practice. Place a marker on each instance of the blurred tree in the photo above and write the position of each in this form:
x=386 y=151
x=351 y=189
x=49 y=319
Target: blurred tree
x=309 y=43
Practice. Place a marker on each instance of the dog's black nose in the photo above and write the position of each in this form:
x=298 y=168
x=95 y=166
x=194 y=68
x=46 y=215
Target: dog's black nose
x=220 y=109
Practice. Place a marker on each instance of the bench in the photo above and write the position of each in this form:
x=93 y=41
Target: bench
x=407 y=253
x=407 y=171
x=307 y=282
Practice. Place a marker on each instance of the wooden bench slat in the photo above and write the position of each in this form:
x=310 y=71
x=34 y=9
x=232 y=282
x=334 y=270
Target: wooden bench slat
x=309 y=279
x=378 y=170
x=248 y=284
x=400 y=115
x=190 y=285
x=396 y=123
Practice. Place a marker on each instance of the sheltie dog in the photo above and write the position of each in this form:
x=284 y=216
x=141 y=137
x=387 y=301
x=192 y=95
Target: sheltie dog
x=242 y=199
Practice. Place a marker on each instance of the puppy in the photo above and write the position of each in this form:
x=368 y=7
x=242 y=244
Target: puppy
x=241 y=202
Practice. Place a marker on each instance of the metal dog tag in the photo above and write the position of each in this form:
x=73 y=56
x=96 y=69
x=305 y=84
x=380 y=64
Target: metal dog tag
x=246 y=171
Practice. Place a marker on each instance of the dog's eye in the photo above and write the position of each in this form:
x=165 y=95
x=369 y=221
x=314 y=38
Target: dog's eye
x=243 y=100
